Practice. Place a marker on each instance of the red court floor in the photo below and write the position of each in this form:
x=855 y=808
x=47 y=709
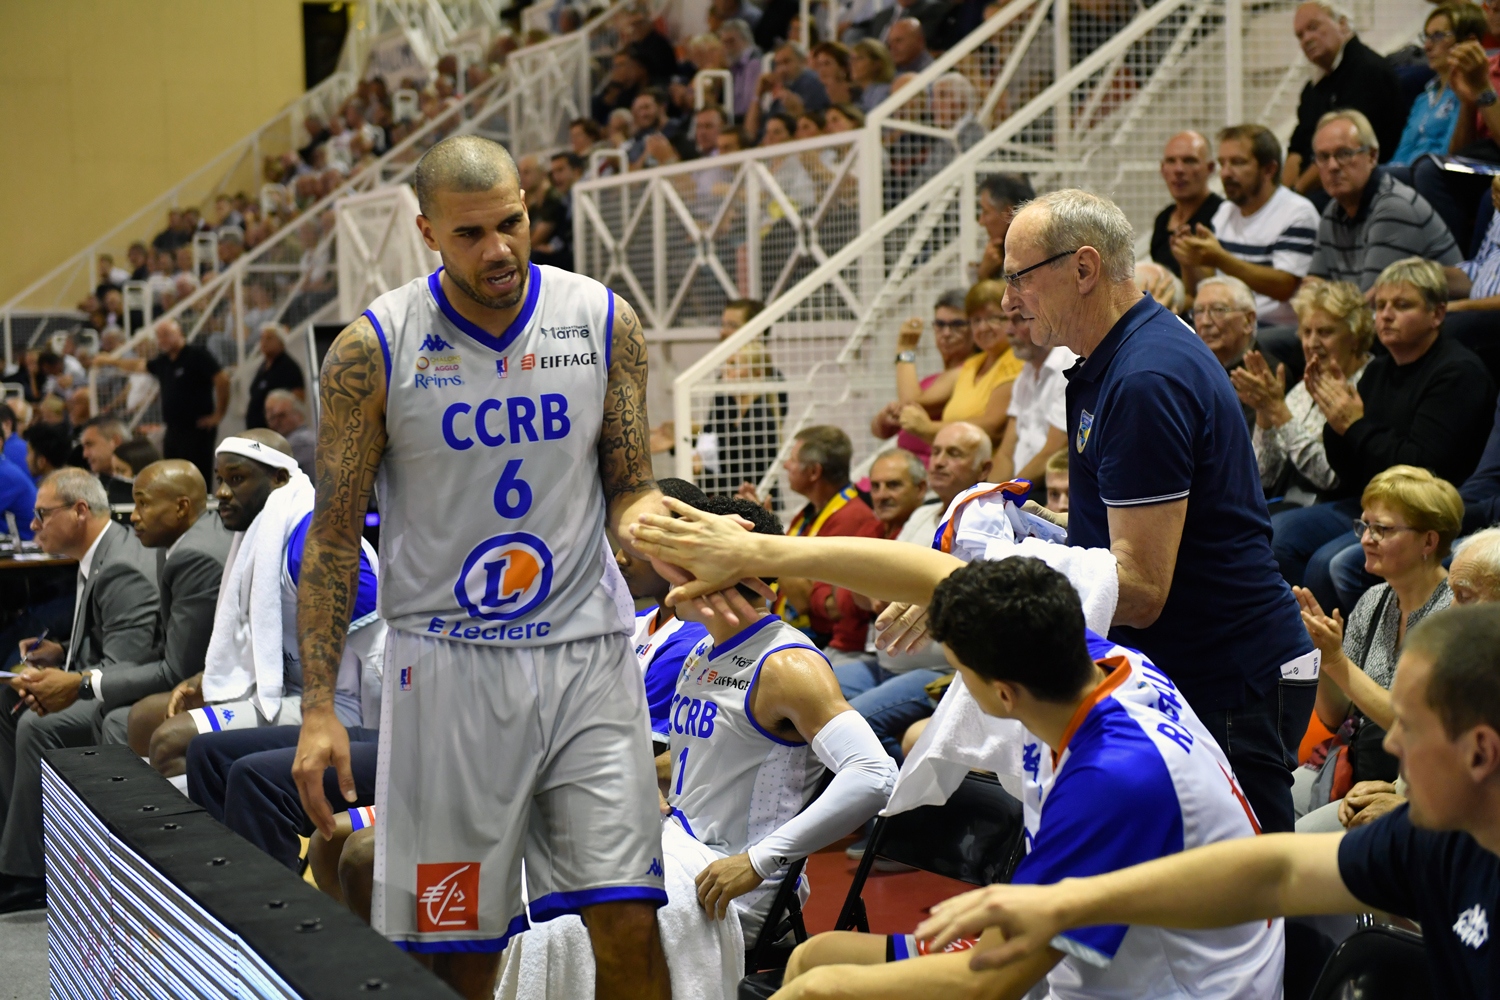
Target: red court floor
x=896 y=902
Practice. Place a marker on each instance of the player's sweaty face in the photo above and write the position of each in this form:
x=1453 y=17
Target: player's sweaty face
x=485 y=240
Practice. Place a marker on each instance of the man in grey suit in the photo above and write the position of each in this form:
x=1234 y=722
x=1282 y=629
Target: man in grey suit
x=171 y=516
x=114 y=622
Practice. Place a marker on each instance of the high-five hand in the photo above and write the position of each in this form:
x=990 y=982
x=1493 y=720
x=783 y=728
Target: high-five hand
x=711 y=547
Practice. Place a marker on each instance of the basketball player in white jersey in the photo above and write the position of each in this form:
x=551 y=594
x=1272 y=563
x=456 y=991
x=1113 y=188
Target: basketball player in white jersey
x=499 y=409
x=756 y=718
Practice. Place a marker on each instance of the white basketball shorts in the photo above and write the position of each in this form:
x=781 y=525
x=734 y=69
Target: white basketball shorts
x=489 y=757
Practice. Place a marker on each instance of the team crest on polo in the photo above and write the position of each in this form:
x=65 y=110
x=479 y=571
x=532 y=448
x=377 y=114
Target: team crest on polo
x=505 y=577
x=1085 y=424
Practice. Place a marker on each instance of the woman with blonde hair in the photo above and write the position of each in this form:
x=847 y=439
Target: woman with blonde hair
x=1408 y=522
x=1335 y=324
x=980 y=394
x=872 y=69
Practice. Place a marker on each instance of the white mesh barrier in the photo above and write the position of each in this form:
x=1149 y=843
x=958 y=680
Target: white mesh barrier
x=1011 y=98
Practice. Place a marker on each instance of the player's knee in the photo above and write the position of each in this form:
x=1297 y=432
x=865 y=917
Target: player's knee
x=357 y=859
x=145 y=717
x=912 y=734
x=168 y=750
x=621 y=931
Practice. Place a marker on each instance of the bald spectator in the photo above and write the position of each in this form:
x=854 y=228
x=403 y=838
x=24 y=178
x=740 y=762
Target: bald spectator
x=1346 y=74
x=908 y=45
x=1474 y=574
x=171 y=516
x=100 y=437
x=1187 y=165
x=277 y=371
x=194 y=394
x=287 y=416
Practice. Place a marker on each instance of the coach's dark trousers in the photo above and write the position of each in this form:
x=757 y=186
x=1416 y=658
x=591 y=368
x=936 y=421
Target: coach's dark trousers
x=23 y=737
x=243 y=778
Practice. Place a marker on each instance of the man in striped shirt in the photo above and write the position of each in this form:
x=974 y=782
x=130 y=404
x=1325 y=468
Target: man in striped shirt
x=1373 y=220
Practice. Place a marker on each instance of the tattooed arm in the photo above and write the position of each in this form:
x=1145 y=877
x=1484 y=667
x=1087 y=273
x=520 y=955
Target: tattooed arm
x=351 y=440
x=625 y=439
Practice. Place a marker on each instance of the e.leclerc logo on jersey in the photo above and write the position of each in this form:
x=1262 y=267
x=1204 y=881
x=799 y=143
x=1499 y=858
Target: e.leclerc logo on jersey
x=505 y=577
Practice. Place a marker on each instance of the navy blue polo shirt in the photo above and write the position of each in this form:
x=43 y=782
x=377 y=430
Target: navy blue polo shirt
x=1445 y=880
x=1152 y=418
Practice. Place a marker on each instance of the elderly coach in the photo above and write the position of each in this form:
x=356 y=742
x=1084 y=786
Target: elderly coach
x=1162 y=473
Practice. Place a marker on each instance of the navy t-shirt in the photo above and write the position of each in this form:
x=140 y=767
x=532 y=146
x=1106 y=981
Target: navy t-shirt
x=1152 y=418
x=1443 y=880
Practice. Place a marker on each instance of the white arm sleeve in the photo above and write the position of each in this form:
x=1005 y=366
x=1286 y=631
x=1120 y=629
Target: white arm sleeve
x=864 y=775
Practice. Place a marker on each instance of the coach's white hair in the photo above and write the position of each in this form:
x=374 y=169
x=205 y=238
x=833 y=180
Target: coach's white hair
x=914 y=466
x=1074 y=218
x=1337 y=11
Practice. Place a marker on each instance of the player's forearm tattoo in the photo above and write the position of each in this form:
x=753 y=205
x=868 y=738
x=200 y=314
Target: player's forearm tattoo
x=625 y=439
x=351 y=440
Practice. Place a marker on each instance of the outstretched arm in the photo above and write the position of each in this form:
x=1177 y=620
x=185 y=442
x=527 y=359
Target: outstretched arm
x=625 y=439
x=717 y=551
x=351 y=440
x=1253 y=878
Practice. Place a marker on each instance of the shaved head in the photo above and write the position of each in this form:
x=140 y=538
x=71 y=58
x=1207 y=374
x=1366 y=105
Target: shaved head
x=461 y=163
x=169 y=497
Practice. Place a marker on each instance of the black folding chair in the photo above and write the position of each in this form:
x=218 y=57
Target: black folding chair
x=785 y=915
x=1376 y=963
x=977 y=836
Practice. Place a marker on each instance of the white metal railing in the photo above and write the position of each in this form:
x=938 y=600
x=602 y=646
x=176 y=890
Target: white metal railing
x=818 y=355
x=678 y=267
x=292 y=277
x=682 y=240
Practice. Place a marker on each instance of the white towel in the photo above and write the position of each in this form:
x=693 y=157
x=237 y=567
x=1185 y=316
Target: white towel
x=246 y=646
x=706 y=958
x=960 y=735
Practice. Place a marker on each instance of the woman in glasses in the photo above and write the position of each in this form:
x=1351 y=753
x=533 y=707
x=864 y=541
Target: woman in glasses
x=1408 y=521
x=955 y=345
x=1336 y=328
x=980 y=391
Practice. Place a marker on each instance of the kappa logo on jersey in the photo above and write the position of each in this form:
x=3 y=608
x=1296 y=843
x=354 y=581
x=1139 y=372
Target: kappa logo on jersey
x=1085 y=424
x=406 y=678
x=505 y=577
x=432 y=342
x=228 y=714
x=447 y=897
x=656 y=868
x=1473 y=926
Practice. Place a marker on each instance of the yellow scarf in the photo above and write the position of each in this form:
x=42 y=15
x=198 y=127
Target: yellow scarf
x=801 y=528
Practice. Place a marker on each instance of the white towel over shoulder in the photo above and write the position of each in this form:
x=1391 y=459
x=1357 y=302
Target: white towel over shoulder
x=961 y=736
x=706 y=958
x=245 y=649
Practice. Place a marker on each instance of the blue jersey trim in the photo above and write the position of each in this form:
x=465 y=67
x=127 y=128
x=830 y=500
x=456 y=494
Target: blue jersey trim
x=682 y=818
x=609 y=331
x=212 y=716
x=518 y=925
x=745 y=633
x=385 y=348
x=750 y=691
x=901 y=947
x=365 y=594
x=478 y=333
x=557 y=904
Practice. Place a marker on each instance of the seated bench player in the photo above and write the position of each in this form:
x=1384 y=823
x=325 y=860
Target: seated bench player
x=756 y=717
x=252 y=672
x=1128 y=772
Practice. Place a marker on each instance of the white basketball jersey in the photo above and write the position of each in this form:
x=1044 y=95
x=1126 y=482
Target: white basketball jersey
x=649 y=637
x=732 y=782
x=491 y=503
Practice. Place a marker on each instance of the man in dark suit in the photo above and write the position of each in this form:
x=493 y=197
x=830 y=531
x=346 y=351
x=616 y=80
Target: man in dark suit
x=99 y=438
x=113 y=622
x=191 y=544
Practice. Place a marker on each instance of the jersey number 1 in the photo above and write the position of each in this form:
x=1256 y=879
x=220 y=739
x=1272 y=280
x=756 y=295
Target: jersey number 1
x=681 y=770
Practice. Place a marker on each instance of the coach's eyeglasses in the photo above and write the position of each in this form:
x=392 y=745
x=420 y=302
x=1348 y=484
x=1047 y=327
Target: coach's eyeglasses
x=1378 y=531
x=1014 y=279
x=40 y=514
